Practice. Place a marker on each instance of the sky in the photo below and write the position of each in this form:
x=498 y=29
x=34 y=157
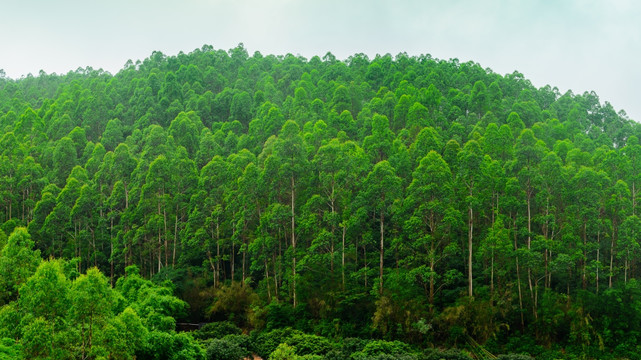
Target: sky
x=578 y=45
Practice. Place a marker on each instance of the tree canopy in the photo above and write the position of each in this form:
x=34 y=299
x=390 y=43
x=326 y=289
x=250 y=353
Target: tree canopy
x=391 y=206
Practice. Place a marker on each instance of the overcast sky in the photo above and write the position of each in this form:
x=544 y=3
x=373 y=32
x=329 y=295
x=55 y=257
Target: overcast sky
x=580 y=45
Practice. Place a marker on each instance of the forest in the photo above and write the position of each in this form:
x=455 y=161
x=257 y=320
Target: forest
x=221 y=205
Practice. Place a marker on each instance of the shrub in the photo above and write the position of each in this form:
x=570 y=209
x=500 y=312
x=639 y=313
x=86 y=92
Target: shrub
x=515 y=357
x=454 y=354
x=185 y=347
x=217 y=330
x=162 y=345
x=279 y=315
x=241 y=340
x=310 y=344
x=381 y=349
x=264 y=343
x=223 y=349
x=352 y=345
x=283 y=352
x=303 y=344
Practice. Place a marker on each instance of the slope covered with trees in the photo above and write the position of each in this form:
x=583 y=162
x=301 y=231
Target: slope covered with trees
x=317 y=201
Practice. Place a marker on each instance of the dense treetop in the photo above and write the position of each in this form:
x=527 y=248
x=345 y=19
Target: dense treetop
x=397 y=198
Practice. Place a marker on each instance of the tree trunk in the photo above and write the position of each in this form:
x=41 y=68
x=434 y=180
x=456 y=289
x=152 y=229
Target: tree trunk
x=159 y=242
x=331 y=260
x=164 y=219
x=269 y=293
x=293 y=191
x=625 y=272
x=518 y=277
x=212 y=265
x=159 y=251
x=217 y=272
x=244 y=258
x=546 y=260
x=612 y=242
x=533 y=294
x=380 y=280
x=598 y=264
x=111 y=253
x=275 y=276
x=584 y=279
x=469 y=251
x=492 y=276
x=124 y=183
x=23 y=201
x=634 y=199
x=343 y=257
x=233 y=253
x=173 y=255
x=432 y=265
x=365 y=263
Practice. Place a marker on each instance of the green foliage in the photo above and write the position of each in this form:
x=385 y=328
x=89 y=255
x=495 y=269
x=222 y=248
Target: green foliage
x=217 y=330
x=10 y=350
x=437 y=354
x=223 y=349
x=160 y=345
x=9 y=317
x=515 y=357
x=234 y=301
x=265 y=343
x=155 y=304
x=3 y=239
x=400 y=197
x=373 y=349
x=46 y=294
x=309 y=344
x=18 y=261
x=284 y=352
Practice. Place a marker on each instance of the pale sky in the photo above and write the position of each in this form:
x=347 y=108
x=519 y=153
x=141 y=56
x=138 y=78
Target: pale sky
x=581 y=45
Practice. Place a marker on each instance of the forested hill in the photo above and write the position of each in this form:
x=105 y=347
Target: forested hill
x=395 y=198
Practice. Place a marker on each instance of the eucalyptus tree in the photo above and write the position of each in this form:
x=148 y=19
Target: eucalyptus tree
x=469 y=177
x=430 y=195
x=381 y=190
x=289 y=152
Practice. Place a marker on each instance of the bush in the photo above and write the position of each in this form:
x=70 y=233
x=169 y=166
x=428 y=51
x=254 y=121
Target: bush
x=346 y=348
x=217 y=330
x=279 y=315
x=336 y=355
x=283 y=352
x=523 y=344
x=310 y=344
x=162 y=345
x=241 y=340
x=223 y=349
x=303 y=344
x=352 y=345
x=515 y=357
x=454 y=354
x=381 y=349
x=392 y=357
x=156 y=345
x=185 y=347
x=264 y=343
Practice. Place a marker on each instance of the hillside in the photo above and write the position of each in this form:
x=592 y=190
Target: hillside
x=395 y=198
